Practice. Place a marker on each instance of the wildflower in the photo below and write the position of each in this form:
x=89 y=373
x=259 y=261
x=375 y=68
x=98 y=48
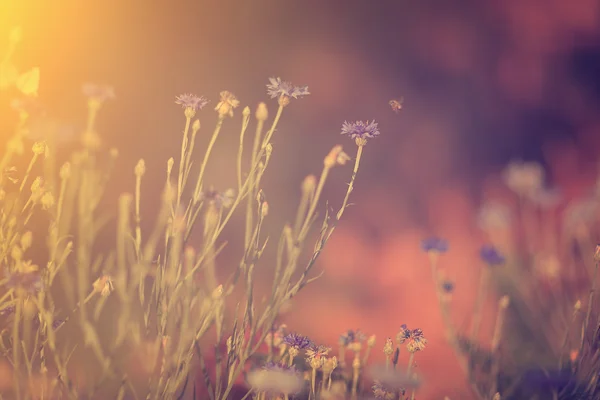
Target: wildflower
x=351 y=336
x=360 y=131
x=297 y=341
x=434 y=244
x=40 y=148
x=388 y=347
x=494 y=216
x=284 y=90
x=98 y=93
x=220 y=199
x=191 y=103
x=524 y=178
x=103 y=285
x=491 y=256
x=315 y=355
x=275 y=337
x=416 y=341
x=315 y=351
x=188 y=100
x=382 y=392
x=227 y=104
x=276 y=378
x=47 y=200
x=7 y=311
x=261 y=112
x=336 y=156
x=448 y=287
x=29 y=280
x=403 y=334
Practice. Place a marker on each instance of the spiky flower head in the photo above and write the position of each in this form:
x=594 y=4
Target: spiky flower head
x=388 y=347
x=191 y=103
x=434 y=244
x=315 y=351
x=491 y=256
x=297 y=341
x=403 y=334
x=360 y=131
x=227 y=103
x=283 y=90
x=416 y=341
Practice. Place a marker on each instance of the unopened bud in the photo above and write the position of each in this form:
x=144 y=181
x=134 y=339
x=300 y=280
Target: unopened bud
x=261 y=112
x=246 y=112
x=140 y=168
x=264 y=210
x=196 y=125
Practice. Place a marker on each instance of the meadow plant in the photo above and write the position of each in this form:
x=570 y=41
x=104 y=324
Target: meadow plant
x=73 y=319
x=543 y=271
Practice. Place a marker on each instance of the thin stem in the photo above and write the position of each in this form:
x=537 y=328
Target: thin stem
x=188 y=121
x=211 y=144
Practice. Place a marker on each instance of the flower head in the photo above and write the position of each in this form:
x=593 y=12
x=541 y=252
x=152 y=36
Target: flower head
x=351 y=336
x=491 y=256
x=98 y=93
x=448 y=287
x=275 y=379
x=29 y=280
x=318 y=352
x=434 y=244
x=284 y=90
x=191 y=102
x=227 y=103
x=524 y=178
x=381 y=391
x=360 y=131
x=403 y=334
x=416 y=341
x=220 y=199
x=297 y=341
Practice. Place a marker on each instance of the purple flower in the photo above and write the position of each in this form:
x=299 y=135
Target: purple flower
x=7 y=311
x=297 y=341
x=416 y=340
x=99 y=93
x=188 y=100
x=360 y=129
x=351 y=337
x=280 y=367
x=448 y=287
x=434 y=244
x=31 y=281
x=278 y=88
x=491 y=256
x=403 y=334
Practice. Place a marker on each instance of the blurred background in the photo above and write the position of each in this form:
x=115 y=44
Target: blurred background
x=483 y=81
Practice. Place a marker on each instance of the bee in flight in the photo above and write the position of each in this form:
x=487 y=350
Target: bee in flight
x=396 y=104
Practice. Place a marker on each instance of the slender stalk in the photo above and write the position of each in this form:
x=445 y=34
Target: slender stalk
x=211 y=144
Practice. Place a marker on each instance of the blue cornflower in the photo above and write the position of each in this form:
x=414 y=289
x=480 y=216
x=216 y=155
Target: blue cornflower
x=351 y=337
x=491 y=256
x=188 y=100
x=403 y=334
x=383 y=392
x=279 y=88
x=448 y=287
x=434 y=244
x=360 y=130
x=297 y=341
x=280 y=367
